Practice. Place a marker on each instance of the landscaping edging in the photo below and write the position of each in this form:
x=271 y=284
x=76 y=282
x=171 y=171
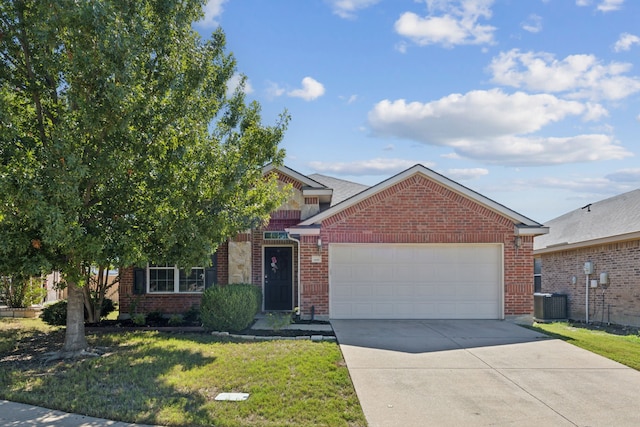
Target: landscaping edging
x=275 y=337
x=198 y=329
x=25 y=313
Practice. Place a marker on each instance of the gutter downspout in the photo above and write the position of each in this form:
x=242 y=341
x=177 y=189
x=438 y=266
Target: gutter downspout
x=299 y=284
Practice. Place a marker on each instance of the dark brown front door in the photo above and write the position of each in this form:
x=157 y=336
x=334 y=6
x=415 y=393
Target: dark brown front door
x=278 y=278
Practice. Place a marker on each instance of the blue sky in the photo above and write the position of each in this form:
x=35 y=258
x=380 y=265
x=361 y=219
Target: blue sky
x=532 y=103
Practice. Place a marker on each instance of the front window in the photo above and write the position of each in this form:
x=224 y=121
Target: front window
x=168 y=278
x=192 y=281
x=537 y=275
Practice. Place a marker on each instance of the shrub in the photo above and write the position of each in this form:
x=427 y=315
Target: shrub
x=21 y=291
x=108 y=307
x=231 y=307
x=175 y=320
x=156 y=317
x=139 y=319
x=192 y=316
x=55 y=314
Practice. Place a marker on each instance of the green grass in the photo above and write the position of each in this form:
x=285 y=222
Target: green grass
x=172 y=379
x=13 y=331
x=621 y=348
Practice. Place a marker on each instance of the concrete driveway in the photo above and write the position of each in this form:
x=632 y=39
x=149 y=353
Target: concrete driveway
x=481 y=373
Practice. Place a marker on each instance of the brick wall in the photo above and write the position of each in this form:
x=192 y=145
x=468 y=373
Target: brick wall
x=618 y=303
x=314 y=277
x=166 y=303
x=418 y=210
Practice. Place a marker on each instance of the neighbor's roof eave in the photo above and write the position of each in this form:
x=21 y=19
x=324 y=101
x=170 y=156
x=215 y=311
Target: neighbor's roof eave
x=564 y=246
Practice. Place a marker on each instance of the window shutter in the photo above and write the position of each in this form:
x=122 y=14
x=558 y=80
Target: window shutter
x=139 y=281
x=211 y=273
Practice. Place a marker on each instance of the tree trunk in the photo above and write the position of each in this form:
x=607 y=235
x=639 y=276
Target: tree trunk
x=74 y=340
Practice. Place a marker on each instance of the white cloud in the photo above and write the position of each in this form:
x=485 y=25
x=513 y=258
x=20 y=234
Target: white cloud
x=594 y=112
x=235 y=81
x=625 y=175
x=625 y=42
x=311 y=89
x=465 y=174
x=610 y=5
x=274 y=90
x=377 y=166
x=495 y=127
x=212 y=10
x=347 y=8
x=448 y=23
x=603 y=5
x=389 y=147
x=580 y=76
x=349 y=99
x=477 y=114
x=533 y=24
x=401 y=46
x=531 y=151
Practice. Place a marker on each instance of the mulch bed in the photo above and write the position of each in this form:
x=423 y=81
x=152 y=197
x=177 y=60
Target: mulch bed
x=162 y=326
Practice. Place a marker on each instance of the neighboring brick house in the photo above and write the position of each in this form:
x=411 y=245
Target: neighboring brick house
x=605 y=234
x=416 y=245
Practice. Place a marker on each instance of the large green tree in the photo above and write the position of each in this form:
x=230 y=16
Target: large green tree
x=120 y=141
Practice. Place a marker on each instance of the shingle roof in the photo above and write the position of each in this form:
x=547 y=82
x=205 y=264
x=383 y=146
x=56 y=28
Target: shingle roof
x=616 y=216
x=342 y=189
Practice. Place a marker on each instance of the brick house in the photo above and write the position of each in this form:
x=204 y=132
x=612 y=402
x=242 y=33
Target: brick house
x=417 y=245
x=605 y=234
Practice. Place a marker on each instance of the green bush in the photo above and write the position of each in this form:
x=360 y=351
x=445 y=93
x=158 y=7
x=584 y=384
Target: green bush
x=192 y=316
x=156 y=317
x=55 y=314
x=175 y=320
x=139 y=319
x=231 y=307
x=21 y=291
x=108 y=307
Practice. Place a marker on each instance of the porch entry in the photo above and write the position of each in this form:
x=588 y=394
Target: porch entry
x=278 y=278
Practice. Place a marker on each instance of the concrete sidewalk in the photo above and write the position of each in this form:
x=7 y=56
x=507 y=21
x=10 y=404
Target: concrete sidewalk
x=20 y=415
x=481 y=373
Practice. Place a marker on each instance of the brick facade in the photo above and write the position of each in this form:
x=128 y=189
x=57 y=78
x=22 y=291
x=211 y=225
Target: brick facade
x=419 y=210
x=414 y=210
x=618 y=303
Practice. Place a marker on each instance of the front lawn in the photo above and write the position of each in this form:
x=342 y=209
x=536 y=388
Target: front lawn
x=621 y=348
x=172 y=379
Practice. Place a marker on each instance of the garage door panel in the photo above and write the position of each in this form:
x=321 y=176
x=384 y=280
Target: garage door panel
x=415 y=281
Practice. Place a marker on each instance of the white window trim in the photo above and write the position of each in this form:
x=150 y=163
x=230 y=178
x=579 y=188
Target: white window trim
x=176 y=281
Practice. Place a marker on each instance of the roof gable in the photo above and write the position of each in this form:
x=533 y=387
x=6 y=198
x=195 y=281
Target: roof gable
x=613 y=219
x=308 y=186
x=524 y=225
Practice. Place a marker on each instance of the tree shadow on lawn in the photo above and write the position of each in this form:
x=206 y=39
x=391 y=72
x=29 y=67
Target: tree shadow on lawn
x=130 y=382
x=172 y=379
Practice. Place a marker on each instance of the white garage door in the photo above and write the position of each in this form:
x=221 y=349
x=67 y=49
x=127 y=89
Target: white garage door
x=415 y=281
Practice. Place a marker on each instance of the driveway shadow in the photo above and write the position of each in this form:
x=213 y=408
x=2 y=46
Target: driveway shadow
x=424 y=336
